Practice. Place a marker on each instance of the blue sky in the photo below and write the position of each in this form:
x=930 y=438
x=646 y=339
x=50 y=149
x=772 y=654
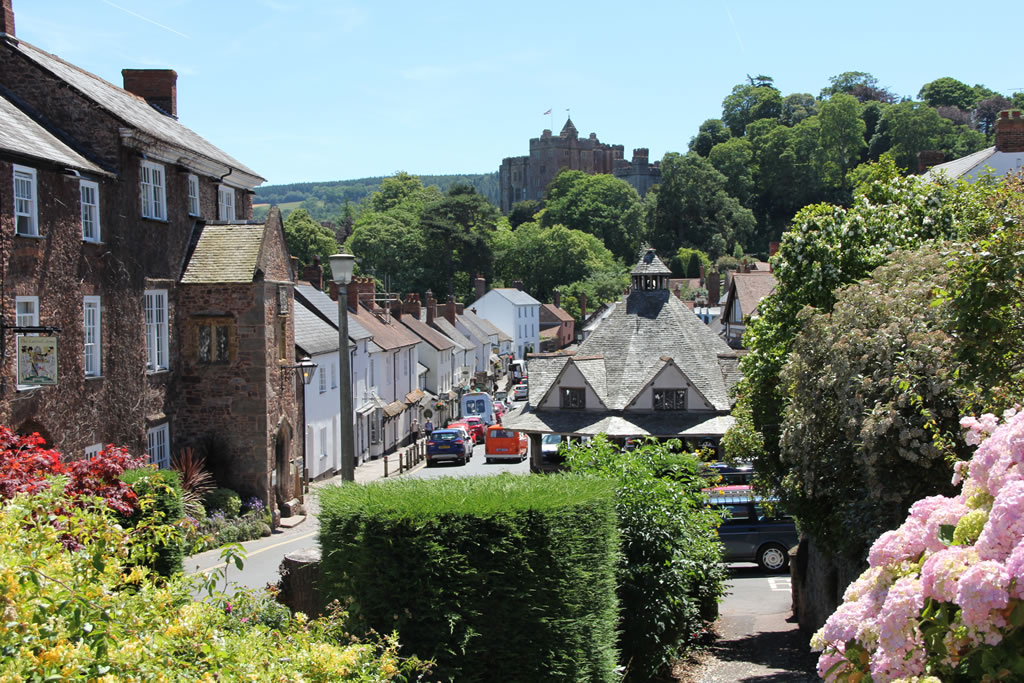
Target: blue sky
x=315 y=91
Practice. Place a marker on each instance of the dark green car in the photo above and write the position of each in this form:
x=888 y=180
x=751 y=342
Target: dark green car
x=751 y=531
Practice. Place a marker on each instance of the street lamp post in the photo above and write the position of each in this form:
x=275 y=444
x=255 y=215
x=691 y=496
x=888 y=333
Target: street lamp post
x=341 y=273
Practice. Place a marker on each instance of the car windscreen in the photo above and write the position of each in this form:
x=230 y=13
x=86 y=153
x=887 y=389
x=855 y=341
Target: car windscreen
x=476 y=406
x=551 y=438
x=444 y=436
x=501 y=434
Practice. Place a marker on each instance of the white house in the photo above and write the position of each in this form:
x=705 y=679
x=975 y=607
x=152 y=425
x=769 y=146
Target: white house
x=1006 y=156
x=515 y=312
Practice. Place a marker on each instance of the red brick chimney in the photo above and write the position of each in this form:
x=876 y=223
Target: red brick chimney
x=714 y=288
x=518 y=284
x=313 y=273
x=459 y=308
x=1009 y=132
x=449 y=309
x=412 y=305
x=353 y=293
x=927 y=158
x=431 y=307
x=480 y=284
x=556 y=298
x=396 y=308
x=159 y=87
x=583 y=306
x=7 y=18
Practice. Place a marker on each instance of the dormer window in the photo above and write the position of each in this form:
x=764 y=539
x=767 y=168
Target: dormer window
x=670 y=399
x=573 y=399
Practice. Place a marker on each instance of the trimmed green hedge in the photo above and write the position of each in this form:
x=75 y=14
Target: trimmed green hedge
x=508 y=578
x=167 y=508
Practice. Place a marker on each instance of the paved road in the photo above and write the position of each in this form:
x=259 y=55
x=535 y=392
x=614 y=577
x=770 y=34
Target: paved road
x=758 y=638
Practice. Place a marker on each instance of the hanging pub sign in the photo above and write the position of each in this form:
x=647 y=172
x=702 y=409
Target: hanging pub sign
x=37 y=361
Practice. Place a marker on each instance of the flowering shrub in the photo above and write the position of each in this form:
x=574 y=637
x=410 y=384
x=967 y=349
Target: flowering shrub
x=25 y=465
x=943 y=598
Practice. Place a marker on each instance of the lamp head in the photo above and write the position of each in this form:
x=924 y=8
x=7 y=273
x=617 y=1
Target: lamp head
x=342 y=266
x=307 y=368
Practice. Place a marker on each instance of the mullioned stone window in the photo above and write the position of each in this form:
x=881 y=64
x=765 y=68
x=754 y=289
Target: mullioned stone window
x=215 y=340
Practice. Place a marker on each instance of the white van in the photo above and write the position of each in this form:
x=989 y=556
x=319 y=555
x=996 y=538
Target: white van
x=478 y=404
x=518 y=369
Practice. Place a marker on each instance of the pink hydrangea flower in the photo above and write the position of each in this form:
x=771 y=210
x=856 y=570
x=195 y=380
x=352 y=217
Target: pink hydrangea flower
x=941 y=571
x=945 y=511
x=900 y=645
x=905 y=543
x=1005 y=526
x=1015 y=568
x=981 y=590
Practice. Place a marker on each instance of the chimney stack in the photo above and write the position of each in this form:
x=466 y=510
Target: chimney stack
x=480 y=284
x=714 y=292
x=518 y=284
x=449 y=309
x=353 y=294
x=412 y=305
x=396 y=307
x=7 y=18
x=313 y=273
x=556 y=298
x=1009 y=132
x=927 y=158
x=459 y=308
x=159 y=87
x=431 y=307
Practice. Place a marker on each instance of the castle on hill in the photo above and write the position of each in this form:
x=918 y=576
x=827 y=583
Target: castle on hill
x=526 y=177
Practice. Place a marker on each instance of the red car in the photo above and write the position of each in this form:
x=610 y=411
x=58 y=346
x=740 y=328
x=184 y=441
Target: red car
x=462 y=424
x=478 y=428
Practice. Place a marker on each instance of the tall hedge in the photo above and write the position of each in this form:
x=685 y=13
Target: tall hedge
x=507 y=578
x=161 y=505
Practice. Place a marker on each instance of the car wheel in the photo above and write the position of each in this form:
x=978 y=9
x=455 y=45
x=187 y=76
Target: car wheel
x=430 y=463
x=772 y=558
x=488 y=460
x=462 y=460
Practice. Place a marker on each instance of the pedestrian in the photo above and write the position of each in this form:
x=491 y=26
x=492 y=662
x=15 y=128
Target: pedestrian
x=429 y=426
x=414 y=429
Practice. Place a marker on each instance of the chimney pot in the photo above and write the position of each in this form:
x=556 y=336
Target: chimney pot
x=159 y=87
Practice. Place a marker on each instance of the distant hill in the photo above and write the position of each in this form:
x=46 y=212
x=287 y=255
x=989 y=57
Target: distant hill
x=325 y=200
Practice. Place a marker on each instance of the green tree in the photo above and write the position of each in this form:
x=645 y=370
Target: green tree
x=391 y=245
x=859 y=84
x=734 y=159
x=307 y=238
x=458 y=229
x=710 y=133
x=987 y=111
x=602 y=205
x=687 y=262
x=908 y=128
x=692 y=206
x=842 y=137
x=401 y=189
x=948 y=91
x=747 y=103
x=524 y=212
x=789 y=176
x=797 y=107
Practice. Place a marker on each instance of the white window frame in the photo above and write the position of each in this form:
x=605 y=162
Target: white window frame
x=89 y=197
x=193 y=194
x=334 y=375
x=28 y=318
x=92 y=336
x=323 y=442
x=154 y=304
x=158 y=445
x=26 y=204
x=225 y=203
x=153 y=188
x=322 y=371
x=93 y=450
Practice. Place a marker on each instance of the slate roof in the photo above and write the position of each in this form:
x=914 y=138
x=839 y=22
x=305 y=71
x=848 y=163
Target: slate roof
x=21 y=135
x=637 y=333
x=650 y=264
x=388 y=336
x=959 y=167
x=516 y=296
x=449 y=330
x=312 y=334
x=587 y=423
x=486 y=325
x=327 y=308
x=130 y=108
x=427 y=333
x=569 y=129
x=473 y=331
x=225 y=253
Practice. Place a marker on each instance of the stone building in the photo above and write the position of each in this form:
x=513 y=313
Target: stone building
x=526 y=177
x=127 y=236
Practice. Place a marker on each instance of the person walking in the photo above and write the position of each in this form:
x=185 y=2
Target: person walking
x=429 y=426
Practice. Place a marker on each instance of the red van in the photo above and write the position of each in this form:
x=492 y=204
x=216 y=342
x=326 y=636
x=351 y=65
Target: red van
x=505 y=444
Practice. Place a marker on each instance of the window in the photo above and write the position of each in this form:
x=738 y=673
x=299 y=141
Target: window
x=159 y=447
x=670 y=399
x=334 y=376
x=225 y=203
x=213 y=342
x=375 y=426
x=90 y=200
x=193 y=194
x=387 y=371
x=25 y=205
x=91 y=330
x=323 y=440
x=154 y=198
x=573 y=398
x=155 y=304
x=93 y=450
x=322 y=371
x=26 y=311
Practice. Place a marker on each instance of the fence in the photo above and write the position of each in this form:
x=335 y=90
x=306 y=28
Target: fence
x=407 y=458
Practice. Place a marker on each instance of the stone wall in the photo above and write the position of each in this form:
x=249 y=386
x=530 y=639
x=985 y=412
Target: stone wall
x=818 y=583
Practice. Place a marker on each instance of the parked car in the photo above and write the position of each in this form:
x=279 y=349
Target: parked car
x=459 y=424
x=477 y=427
x=549 y=446
x=729 y=475
x=499 y=410
x=505 y=444
x=500 y=396
x=751 y=532
x=449 y=445
x=520 y=392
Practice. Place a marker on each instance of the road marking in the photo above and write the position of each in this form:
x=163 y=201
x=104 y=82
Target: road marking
x=781 y=584
x=257 y=552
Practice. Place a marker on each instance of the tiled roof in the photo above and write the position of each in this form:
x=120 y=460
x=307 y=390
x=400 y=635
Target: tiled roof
x=225 y=253
x=449 y=330
x=472 y=331
x=587 y=423
x=312 y=334
x=327 y=308
x=751 y=288
x=485 y=325
x=22 y=135
x=557 y=313
x=130 y=108
x=427 y=334
x=650 y=264
x=637 y=333
x=388 y=335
